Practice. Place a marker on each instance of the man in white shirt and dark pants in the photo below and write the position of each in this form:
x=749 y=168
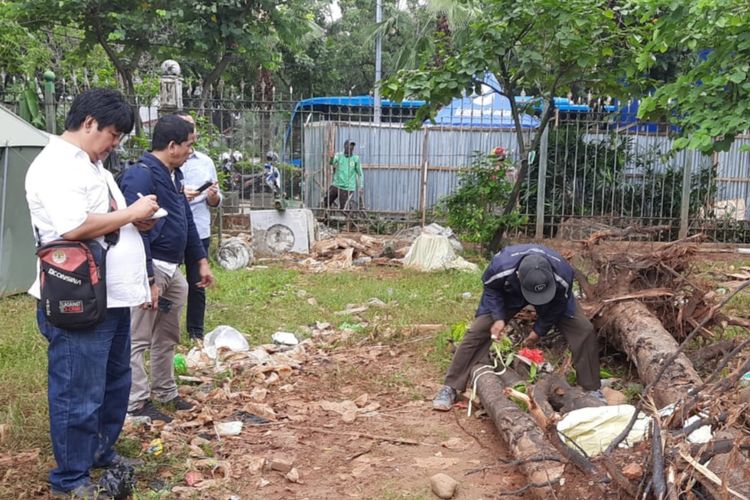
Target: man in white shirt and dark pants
x=198 y=169
x=68 y=192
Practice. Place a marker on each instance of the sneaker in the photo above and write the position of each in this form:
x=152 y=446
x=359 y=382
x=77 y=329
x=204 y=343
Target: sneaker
x=86 y=491
x=149 y=410
x=445 y=398
x=598 y=394
x=178 y=404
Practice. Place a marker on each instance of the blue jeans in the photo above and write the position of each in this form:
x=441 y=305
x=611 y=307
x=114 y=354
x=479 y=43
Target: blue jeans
x=196 y=301
x=88 y=386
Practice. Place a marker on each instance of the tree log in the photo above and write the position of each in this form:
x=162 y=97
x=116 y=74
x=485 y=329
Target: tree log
x=524 y=438
x=562 y=397
x=640 y=334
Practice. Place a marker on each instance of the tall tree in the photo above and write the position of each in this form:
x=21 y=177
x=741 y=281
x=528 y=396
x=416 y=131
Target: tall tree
x=545 y=46
x=21 y=51
x=207 y=36
x=710 y=95
x=245 y=35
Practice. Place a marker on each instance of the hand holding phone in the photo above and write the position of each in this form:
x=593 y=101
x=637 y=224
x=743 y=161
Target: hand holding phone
x=205 y=186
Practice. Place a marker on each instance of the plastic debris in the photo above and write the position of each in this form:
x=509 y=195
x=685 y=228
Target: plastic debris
x=227 y=337
x=251 y=418
x=745 y=380
x=700 y=435
x=137 y=421
x=233 y=254
x=285 y=338
x=228 y=428
x=155 y=447
x=354 y=327
x=594 y=428
x=431 y=252
x=180 y=364
x=118 y=481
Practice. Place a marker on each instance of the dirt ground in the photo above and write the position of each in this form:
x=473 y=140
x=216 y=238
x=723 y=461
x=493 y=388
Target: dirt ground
x=365 y=458
x=338 y=464
x=354 y=420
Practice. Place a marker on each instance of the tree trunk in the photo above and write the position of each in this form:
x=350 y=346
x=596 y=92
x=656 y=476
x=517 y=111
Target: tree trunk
x=637 y=332
x=524 y=438
x=554 y=391
x=266 y=105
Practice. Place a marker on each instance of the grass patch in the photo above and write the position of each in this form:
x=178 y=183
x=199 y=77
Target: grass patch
x=257 y=302
x=23 y=375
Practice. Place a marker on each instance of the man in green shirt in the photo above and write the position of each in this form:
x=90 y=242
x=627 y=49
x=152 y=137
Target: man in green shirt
x=347 y=176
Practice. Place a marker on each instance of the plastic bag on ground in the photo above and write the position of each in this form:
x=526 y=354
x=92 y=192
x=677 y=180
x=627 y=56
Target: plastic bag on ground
x=224 y=336
x=593 y=429
x=433 y=252
x=234 y=253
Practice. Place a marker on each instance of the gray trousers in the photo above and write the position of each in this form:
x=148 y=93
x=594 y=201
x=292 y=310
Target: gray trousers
x=475 y=348
x=157 y=330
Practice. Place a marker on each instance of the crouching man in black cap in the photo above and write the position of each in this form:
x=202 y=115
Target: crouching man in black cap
x=517 y=276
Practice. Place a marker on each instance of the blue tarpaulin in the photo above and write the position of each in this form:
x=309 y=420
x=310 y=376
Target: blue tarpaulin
x=488 y=110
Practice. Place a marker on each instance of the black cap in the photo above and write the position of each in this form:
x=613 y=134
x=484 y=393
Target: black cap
x=350 y=141
x=537 y=280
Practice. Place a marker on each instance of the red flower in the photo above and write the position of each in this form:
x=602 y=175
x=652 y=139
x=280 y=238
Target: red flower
x=536 y=356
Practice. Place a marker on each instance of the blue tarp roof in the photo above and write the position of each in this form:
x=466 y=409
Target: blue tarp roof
x=365 y=101
x=489 y=110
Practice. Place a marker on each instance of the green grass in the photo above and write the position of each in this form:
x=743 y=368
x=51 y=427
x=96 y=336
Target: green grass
x=23 y=376
x=258 y=302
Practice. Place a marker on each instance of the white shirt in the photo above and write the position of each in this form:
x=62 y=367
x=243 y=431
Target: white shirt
x=62 y=187
x=198 y=169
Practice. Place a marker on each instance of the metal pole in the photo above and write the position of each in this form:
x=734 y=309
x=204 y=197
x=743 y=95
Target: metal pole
x=378 y=57
x=423 y=190
x=685 y=202
x=541 y=184
x=2 y=200
x=49 y=102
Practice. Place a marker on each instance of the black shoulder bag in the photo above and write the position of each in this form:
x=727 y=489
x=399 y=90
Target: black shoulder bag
x=72 y=278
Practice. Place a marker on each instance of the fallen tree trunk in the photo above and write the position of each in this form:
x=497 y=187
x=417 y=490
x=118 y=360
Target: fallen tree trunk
x=640 y=334
x=525 y=440
x=561 y=396
x=642 y=337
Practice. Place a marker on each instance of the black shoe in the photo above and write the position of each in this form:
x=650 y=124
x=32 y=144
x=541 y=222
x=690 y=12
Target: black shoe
x=178 y=404
x=195 y=336
x=149 y=410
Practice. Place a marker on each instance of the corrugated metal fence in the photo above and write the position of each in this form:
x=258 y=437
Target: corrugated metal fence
x=592 y=170
x=596 y=174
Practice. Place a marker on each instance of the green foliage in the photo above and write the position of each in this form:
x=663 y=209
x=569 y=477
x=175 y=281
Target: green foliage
x=544 y=46
x=458 y=330
x=633 y=392
x=586 y=177
x=709 y=94
x=474 y=210
x=21 y=51
x=28 y=106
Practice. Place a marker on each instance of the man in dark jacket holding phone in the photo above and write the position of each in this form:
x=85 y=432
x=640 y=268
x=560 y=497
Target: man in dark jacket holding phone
x=173 y=239
x=520 y=275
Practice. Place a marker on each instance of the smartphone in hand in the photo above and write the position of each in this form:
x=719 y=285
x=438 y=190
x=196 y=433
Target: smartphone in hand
x=205 y=186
